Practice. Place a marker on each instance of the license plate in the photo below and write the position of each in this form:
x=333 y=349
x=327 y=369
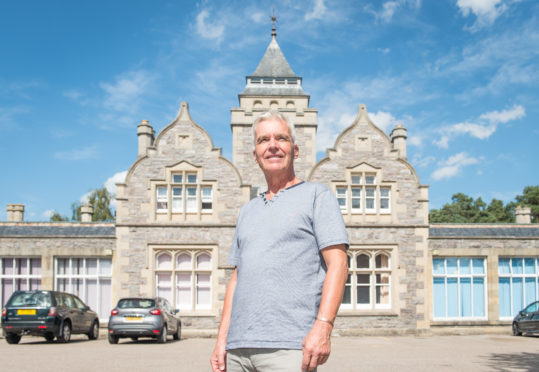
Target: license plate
x=133 y=319
x=26 y=312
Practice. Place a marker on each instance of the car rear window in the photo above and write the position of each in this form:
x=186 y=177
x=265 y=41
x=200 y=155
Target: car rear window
x=36 y=299
x=133 y=303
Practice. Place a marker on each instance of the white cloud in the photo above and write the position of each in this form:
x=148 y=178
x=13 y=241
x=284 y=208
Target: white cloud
x=8 y=114
x=318 y=11
x=209 y=30
x=486 y=11
x=384 y=50
x=110 y=183
x=415 y=140
x=453 y=166
x=126 y=91
x=383 y=120
x=474 y=130
x=504 y=116
x=488 y=125
x=89 y=152
x=389 y=8
x=443 y=142
x=423 y=161
x=258 y=17
x=48 y=213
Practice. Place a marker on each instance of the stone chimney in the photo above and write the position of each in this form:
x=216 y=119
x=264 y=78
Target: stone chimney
x=523 y=214
x=15 y=212
x=86 y=213
x=398 y=139
x=145 y=134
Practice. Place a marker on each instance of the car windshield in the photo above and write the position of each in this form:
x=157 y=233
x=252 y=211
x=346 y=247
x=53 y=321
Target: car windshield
x=37 y=299
x=136 y=303
x=533 y=307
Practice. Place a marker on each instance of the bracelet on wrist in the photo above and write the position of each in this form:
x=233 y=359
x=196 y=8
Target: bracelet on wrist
x=325 y=320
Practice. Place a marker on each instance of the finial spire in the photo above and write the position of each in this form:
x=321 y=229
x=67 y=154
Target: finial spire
x=273 y=19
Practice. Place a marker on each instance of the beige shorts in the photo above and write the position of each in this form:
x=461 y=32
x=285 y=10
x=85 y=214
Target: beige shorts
x=263 y=360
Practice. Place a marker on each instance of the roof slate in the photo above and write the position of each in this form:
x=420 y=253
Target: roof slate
x=51 y=230
x=492 y=231
x=274 y=64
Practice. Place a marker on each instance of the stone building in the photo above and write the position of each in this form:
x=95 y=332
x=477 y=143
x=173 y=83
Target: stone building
x=177 y=209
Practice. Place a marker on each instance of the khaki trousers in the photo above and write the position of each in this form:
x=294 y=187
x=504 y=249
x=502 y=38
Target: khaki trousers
x=263 y=360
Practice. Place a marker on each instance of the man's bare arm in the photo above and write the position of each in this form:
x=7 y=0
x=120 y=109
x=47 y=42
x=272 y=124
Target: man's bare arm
x=317 y=344
x=218 y=357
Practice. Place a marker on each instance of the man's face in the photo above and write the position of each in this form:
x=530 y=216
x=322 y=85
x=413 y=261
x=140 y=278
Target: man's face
x=274 y=151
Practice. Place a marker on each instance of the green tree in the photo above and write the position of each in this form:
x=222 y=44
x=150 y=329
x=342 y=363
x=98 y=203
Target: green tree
x=57 y=217
x=464 y=209
x=100 y=199
x=530 y=198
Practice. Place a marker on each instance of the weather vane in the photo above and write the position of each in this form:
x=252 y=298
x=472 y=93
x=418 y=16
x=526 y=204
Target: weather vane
x=273 y=19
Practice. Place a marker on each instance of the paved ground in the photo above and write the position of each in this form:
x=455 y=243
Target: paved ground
x=370 y=353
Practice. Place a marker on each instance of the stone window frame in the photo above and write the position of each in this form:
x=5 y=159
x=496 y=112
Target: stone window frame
x=523 y=276
x=27 y=279
x=363 y=179
x=102 y=273
x=352 y=284
x=458 y=276
x=193 y=251
x=184 y=169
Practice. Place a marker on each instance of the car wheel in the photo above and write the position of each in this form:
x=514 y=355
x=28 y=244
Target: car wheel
x=163 y=336
x=66 y=333
x=113 y=339
x=49 y=337
x=178 y=334
x=516 y=330
x=13 y=338
x=93 y=333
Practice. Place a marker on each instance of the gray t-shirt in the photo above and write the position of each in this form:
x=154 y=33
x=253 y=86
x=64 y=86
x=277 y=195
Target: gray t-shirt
x=281 y=271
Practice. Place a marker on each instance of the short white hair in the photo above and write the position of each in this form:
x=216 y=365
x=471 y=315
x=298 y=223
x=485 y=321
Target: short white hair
x=274 y=114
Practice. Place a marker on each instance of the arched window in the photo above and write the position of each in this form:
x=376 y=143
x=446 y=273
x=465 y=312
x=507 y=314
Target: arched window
x=185 y=279
x=368 y=286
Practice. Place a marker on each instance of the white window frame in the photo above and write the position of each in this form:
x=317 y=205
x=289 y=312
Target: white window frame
x=458 y=276
x=352 y=284
x=358 y=181
x=193 y=270
x=341 y=196
x=186 y=202
x=29 y=278
x=160 y=198
x=373 y=198
x=511 y=275
x=83 y=277
x=206 y=199
x=388 y=198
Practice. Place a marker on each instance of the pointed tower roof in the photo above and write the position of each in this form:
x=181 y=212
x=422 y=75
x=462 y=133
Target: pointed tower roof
x=273 y=76
x=273 y=64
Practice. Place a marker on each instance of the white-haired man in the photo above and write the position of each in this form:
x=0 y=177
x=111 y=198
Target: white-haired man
x=289 y=253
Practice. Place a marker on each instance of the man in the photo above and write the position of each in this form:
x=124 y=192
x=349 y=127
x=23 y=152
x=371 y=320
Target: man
x=289 y=253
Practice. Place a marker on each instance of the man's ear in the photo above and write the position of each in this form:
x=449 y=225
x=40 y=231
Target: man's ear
x=254 y=155
x=296 y=151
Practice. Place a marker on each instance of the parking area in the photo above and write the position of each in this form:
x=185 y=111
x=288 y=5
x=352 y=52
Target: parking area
x=369 y=353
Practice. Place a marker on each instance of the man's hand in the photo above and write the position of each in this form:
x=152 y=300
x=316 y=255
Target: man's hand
x=218 y=358
x=316 y=346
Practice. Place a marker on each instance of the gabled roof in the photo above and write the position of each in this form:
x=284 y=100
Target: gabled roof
x=273 y=64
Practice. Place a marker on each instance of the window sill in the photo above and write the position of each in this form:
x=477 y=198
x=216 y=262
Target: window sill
x=376 y=312
x=460 y=322
x=198 y=313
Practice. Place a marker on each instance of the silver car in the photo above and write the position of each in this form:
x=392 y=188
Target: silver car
x=144 y=317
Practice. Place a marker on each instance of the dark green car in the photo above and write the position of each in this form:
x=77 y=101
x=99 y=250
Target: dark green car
x=48 y=314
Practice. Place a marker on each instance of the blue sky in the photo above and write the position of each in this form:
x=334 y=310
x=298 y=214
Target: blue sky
x=77 y=77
